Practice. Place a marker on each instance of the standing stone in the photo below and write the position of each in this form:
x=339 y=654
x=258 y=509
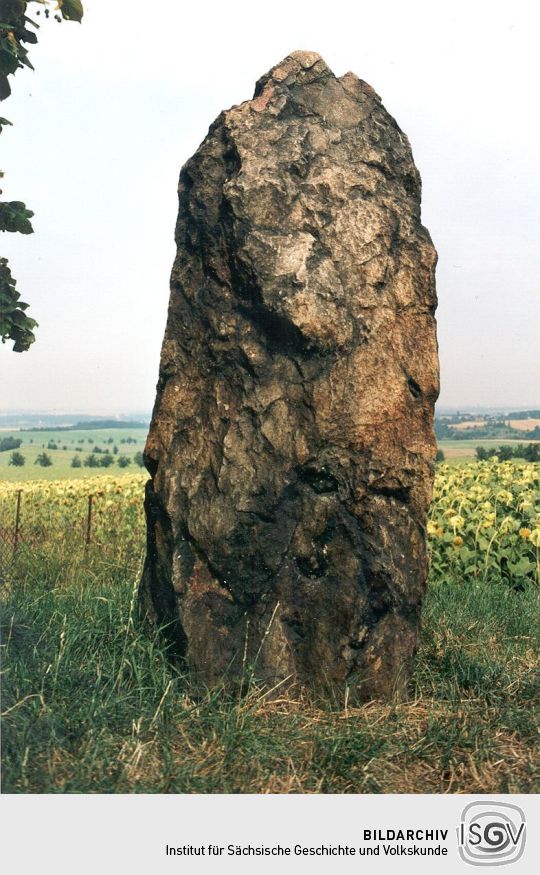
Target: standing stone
x=291 y=448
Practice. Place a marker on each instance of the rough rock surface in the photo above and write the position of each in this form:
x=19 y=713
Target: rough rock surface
x=291 y=448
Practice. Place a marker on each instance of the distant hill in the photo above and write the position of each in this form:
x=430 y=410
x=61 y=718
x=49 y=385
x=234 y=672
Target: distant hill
x=523 y=414
x=11 y=420
x=91 y=424
x=516 y=425
x=477 y=410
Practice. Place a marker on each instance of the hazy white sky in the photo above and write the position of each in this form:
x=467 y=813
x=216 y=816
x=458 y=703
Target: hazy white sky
x=118 y=103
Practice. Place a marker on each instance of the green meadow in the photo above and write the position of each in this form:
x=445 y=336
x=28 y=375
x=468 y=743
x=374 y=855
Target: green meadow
x=70 y=443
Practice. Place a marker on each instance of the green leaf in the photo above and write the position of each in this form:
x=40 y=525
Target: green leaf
x=23 y=58
x=522 y=568
x=3 y=123
x=12 y=14
x=5 y=88
x=28 y=36
x=15 y=217
x=24 y=340
x=15 y=325
x=72 y=10
x=9 y=61
x=13 y=9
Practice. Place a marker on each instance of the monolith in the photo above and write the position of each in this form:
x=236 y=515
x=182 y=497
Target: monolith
x=291 y=448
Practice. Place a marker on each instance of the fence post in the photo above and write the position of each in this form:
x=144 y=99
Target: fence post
x=17 y=532
x=89 y=522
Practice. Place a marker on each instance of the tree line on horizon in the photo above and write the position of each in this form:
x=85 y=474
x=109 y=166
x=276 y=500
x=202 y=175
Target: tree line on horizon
x=529 y=452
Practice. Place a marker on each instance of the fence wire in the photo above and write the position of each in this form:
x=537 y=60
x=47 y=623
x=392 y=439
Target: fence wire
x=94 y=527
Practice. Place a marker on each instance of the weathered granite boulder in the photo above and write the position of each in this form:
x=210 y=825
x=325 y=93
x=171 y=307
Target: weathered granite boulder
x=291 y=448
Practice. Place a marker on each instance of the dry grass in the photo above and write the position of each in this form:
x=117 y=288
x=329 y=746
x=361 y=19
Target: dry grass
x=376 y=749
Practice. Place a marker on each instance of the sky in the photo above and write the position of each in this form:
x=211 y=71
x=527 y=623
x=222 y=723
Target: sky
x=118 y=103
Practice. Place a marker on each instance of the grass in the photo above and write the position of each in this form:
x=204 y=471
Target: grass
x=92 y=704
x=35 y=442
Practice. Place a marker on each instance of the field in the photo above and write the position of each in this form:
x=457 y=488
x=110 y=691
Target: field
x=523 y=424
x=463 y=426
x=80 y=443
x=93 y=704
x=518 y=424
x=464 y=450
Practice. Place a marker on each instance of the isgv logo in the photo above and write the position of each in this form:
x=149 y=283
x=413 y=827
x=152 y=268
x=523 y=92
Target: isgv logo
x=491 y=833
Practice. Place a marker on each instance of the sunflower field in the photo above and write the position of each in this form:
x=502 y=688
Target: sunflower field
x=484 y=521
x=66 y=517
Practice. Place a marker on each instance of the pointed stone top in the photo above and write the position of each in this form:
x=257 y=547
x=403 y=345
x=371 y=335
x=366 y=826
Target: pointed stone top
x=305 y=59
x=305 y=79
x=296 y=64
